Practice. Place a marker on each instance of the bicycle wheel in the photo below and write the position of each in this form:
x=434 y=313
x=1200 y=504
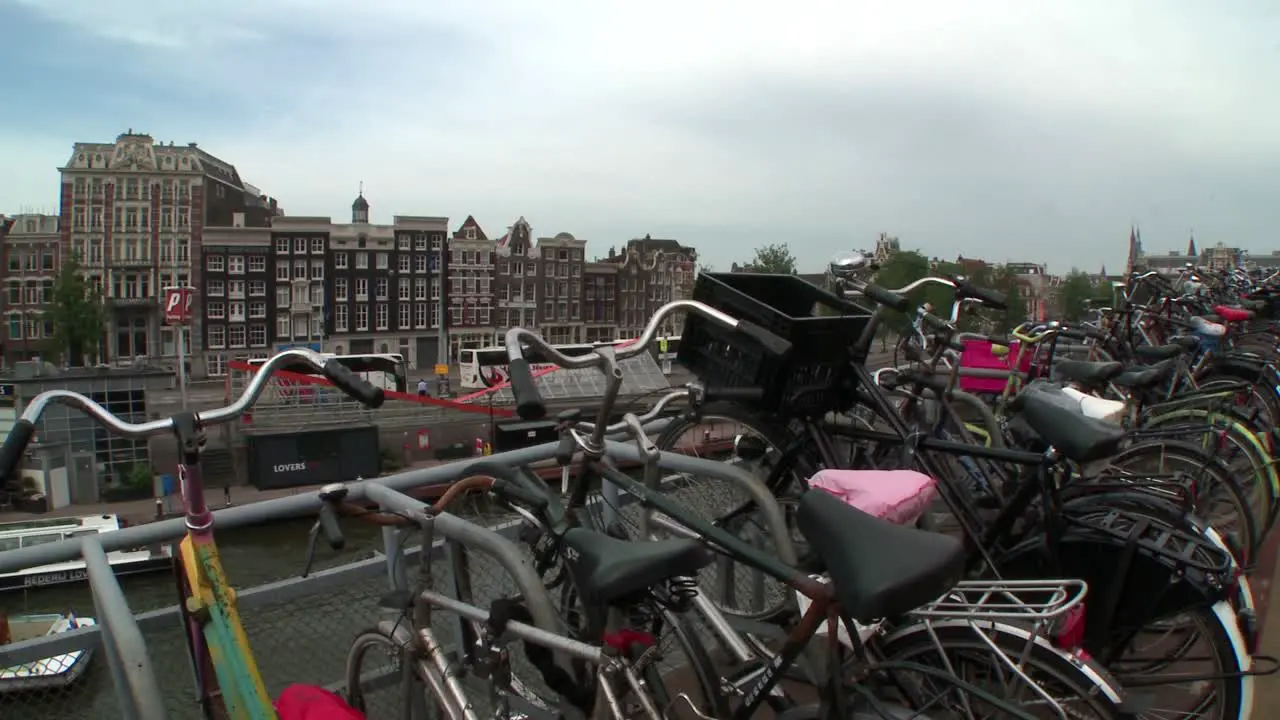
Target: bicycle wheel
x=1147 y=604
x=386 y=691
x=1037 y=671
x=1218 y=497
x=735 y=588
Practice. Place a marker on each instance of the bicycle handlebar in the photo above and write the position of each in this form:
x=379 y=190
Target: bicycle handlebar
x=529 y=403
x=15 y=445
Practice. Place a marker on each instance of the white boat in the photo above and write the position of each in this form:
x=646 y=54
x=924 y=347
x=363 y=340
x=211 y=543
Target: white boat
x=54 y=672
x=27 y=533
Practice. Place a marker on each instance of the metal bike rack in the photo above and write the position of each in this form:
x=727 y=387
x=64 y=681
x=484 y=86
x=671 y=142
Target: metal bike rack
x=119 y=635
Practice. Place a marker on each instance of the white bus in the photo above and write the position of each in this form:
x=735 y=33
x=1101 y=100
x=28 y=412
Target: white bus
x=488 y=367
x=385 y=370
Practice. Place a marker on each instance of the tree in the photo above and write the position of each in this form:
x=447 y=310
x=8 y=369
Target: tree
x=1074 y=293
x=773 y=258
x=77 y=314
x=1006 y=281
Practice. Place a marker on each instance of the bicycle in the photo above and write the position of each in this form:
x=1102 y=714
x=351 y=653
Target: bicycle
x=673 y=517
x=227 y=676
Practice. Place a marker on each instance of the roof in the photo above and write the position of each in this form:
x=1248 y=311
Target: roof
x=140 y=151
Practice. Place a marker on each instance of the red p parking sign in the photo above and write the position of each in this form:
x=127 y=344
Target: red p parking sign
x=177 y=305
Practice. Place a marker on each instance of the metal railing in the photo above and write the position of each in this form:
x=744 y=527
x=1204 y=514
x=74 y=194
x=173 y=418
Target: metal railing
x=300 y=627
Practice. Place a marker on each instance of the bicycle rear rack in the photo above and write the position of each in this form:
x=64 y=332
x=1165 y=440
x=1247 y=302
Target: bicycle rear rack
x=1022 y=600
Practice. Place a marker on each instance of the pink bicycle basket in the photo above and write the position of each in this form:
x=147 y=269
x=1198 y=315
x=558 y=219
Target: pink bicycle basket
x=977 y=355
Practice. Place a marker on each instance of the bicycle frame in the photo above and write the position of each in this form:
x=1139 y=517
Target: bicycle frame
x=215 y=633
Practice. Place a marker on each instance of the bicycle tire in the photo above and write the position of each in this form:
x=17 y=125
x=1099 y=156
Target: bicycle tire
x=911 y=642
x=779 y=437
x=1224 y=486
x=1091 y=558
x=354 y=694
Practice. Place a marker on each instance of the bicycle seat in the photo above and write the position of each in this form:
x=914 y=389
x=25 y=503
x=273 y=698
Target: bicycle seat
x=1059 y=421
x=1187 y=342
x=1207 y=327
x=1232 y=314
x=1087 y=373
x=879 y=569
x=608 y=570
x=1144 y=377
x=1154 y=353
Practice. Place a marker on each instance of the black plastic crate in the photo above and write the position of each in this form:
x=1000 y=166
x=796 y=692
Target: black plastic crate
x=820 y=326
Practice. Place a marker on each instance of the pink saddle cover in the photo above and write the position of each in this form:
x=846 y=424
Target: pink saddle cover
x=308 y=702
x=899 y=496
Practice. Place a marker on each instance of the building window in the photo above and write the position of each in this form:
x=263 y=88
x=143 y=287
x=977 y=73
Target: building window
x=236 y=336
x=214 y=288
x=217 y=336
x=404 y=316
x=15 y=327
x=403 y=263
x=235 y=289
x=282 y=271
x=282 y=326
x=340 y=318
x=257 y=288
x=317 y=246
x=419 y=242
x=257 y=309
x=340 y=260
x=215 y=310
x=362 y=261
x=216 y=364
x=299 y=269
x=235 y=311
x=380 y=316
x=362 y=288
x=215 y=263
x=282 y=246
x=235 y=264
x=340 y=289
x=420 y=263
x=384 y=260
x=317 y=269
x=402 y=241
x=420 y=315
x=258 y=334
x=380 y=288
x=405 y=289
x=362 y=317
x=300 y=246
x=283 y=294
x=257 y=263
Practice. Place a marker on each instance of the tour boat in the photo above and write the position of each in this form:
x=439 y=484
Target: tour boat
x=27 y=533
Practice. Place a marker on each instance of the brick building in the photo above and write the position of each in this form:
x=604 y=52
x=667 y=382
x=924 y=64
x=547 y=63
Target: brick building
x=346 y=288
x=135 y=211
x=651 y=273
x=29 y=261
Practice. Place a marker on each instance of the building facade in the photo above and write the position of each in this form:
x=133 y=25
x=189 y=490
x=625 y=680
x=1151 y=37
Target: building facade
x=473 y=317
x=135 y=212
x=29 y=261
x=560 y=263
x=345 y=288
x=239 y=302
x=651 y=273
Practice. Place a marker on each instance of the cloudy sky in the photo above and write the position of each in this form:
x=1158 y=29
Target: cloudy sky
x=1019 y=130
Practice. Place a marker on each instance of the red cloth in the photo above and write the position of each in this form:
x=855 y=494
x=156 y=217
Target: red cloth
x=310 y=702
x=1231 y=314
